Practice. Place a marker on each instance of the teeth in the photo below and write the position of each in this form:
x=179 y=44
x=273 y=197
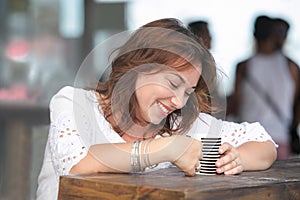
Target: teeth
x=163 y=108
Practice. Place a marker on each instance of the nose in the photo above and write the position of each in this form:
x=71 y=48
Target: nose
x=178 y=101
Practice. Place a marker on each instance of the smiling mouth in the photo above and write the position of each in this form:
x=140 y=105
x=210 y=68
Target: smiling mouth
x=165 y=110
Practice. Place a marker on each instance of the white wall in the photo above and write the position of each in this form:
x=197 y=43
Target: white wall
x=231 y=23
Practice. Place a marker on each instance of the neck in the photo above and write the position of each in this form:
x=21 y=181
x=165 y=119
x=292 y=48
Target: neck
x=137 y=132
x=265 y=47
x=130 y=138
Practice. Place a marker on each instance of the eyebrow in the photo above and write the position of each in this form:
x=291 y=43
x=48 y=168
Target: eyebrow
x=182 y=80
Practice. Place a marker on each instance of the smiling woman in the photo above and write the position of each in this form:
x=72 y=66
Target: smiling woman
x=162 y=45
x=158 y=92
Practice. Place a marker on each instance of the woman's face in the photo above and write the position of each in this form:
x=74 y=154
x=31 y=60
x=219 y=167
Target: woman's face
x=161 y=93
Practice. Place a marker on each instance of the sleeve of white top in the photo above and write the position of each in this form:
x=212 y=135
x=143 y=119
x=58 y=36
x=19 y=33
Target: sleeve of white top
x=66 y=145
x=231 y=132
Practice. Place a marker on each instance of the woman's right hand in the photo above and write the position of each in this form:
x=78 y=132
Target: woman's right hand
x=186 y=153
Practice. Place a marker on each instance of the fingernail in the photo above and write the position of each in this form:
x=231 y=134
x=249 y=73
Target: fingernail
x=221 y=150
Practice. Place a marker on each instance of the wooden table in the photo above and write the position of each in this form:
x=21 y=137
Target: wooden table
x=17 y=119
x=281 y=181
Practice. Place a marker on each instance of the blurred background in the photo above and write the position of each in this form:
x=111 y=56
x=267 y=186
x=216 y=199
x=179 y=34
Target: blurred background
x=43 y=43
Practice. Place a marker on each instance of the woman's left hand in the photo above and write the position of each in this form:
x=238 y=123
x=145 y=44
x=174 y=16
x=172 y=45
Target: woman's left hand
x=230 y=161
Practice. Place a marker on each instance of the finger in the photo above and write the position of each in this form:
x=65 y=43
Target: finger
x=225 y=147
x=235 y=163
x=226 y=159
x=190 y=172
x=236 y=170
x=231 y=165
x=200 y=148
x=197 y=166
x=200 y=154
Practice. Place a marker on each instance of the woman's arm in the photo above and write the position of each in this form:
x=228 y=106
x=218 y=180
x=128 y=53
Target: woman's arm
x=71 y=132
x=257 y=155
x=182 y=151
x=247 y=157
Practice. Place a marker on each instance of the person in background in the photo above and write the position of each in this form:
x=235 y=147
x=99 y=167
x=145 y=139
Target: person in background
x=200 y=29
x=264 y=89
x=138 y=120
x=281 y=33
x=281 y=29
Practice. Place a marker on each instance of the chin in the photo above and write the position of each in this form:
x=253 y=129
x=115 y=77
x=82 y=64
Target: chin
x=155 y=117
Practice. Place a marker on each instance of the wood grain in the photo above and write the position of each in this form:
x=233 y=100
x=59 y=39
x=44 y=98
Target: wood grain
x=281 y=181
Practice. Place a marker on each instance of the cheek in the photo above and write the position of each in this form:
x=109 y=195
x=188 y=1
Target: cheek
x=139 y=93
x=162 y=92
x=153 y=92
x=144 y=96
x=148 y=96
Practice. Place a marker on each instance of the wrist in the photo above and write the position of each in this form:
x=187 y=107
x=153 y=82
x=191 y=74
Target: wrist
x=174 y=147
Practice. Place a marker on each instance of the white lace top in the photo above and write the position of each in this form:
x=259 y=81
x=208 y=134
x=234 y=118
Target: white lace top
x=77 y=123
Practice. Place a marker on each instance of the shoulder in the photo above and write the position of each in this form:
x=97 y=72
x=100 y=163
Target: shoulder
x=292 y=64
x=243 y=63
x=66 y=91
x=62 y=97
x=68 y=98
x=294 y=69
x=290 y=61
x=72 y=94
x=241 y=66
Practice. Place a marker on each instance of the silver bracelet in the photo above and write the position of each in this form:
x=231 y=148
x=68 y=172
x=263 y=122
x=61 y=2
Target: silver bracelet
x=147 y=152
x=140 y=157
x=135 y=158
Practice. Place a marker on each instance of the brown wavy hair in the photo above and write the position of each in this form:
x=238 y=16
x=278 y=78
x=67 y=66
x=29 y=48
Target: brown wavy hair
x=164 y=42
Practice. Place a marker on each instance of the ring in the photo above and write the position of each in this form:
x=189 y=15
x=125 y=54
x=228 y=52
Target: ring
x=197 y=169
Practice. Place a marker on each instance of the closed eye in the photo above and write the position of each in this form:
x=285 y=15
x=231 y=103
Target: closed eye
x=173 y=85
x=188 y=94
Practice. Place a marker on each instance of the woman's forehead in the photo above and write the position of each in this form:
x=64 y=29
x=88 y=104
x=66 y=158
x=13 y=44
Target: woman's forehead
x=191 y=75
x=188 y=75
